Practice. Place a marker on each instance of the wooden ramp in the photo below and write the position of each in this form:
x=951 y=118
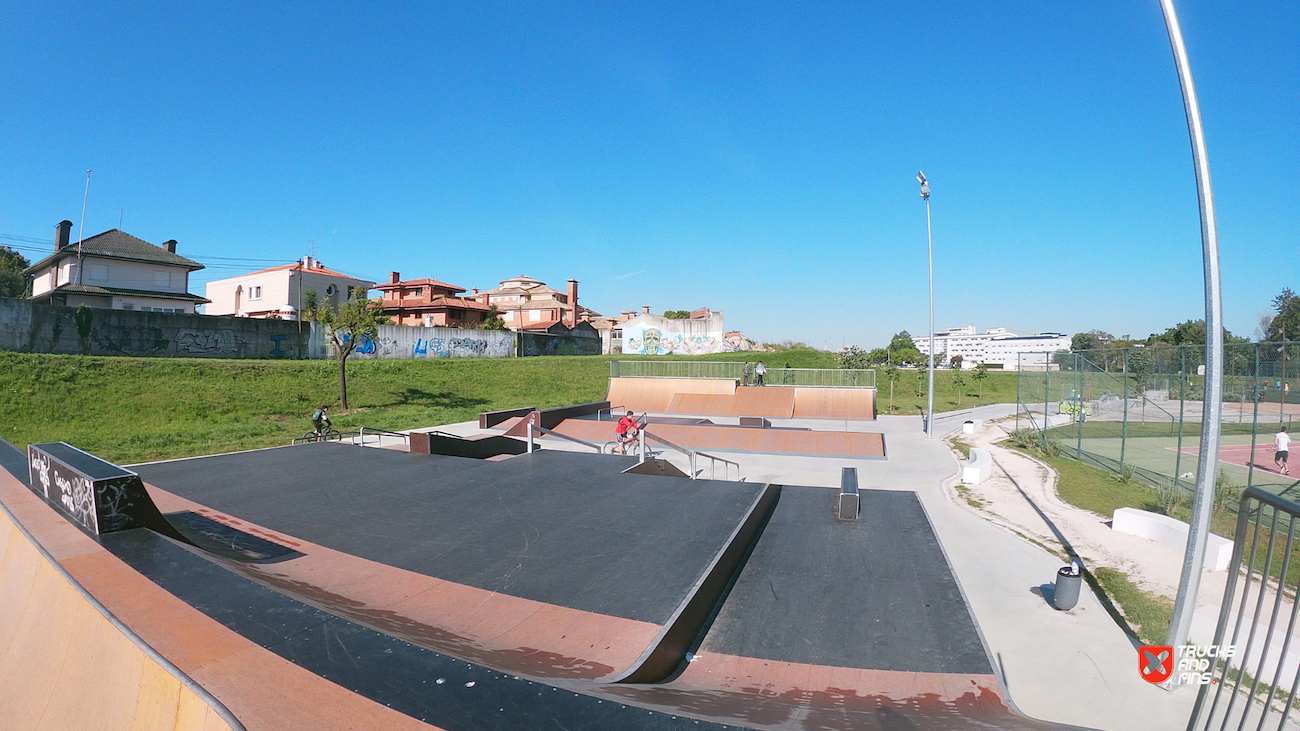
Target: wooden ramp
x=743 y=439
x=835 y=403
x=655 y=394
x=775 y=403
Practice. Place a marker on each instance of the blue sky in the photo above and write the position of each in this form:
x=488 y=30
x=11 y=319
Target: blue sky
x=753 y=158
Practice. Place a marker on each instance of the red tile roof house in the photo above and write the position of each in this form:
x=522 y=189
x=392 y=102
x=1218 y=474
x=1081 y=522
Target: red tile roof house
x=529 y=305
x=430 y=303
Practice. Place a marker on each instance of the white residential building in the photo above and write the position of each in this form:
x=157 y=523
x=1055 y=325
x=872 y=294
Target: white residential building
x=114 y=270
x=997 y=346
x=280 y=291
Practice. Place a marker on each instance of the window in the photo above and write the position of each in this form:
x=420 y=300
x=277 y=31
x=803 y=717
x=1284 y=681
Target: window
x=535 y=315
x=417 y=292
x=255 y=292
x=128 y=306
x=162 y=279
x=98 y=272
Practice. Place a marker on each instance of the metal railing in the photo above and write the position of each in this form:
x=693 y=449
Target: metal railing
x=381 y=433
x=733 y=370
x=692 y=454
x=535 y=428
x=1257 y=684
x=609 y=411
x=329 y=436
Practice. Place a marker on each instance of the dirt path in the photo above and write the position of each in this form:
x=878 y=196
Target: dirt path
x=1020 y=495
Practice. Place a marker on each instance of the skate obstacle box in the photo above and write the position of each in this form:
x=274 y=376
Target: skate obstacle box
x=849 y=497
x=97 y=496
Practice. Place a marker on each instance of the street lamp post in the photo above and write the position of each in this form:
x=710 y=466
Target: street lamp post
x=1207 y=462
x=929 y=237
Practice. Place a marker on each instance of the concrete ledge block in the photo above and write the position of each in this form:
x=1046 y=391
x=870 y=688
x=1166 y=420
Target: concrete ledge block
x=978 y=468
x=1171 y=532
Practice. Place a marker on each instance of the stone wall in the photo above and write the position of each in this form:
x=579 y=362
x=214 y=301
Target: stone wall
x=27 y=327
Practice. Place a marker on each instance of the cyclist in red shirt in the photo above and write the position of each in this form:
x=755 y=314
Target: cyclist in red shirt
x=626 y=431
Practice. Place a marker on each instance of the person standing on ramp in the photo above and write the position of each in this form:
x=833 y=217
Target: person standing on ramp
x=760 y=372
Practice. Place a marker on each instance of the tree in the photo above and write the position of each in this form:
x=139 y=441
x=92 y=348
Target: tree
x=310 y=305
x=494 y=321
x=12 y=281
x=1091 y=340
x=878 y=356
x=955 y=362
x=958 y=381
x=1191 y=332
x=347 y=326
x=903 y=351
x=891 y=375
x=981 y=372
x=678 y=314
x=1287 y=320
x=852 y=357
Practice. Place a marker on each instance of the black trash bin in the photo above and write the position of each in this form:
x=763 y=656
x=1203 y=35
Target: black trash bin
x=1066 y=595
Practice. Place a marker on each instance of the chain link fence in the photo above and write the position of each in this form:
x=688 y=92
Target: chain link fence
x=1137 y=411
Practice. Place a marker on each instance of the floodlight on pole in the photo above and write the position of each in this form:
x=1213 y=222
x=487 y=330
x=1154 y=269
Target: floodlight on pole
x=929 y=238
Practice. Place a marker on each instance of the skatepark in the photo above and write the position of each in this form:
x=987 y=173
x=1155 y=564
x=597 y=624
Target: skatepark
x=512 y=573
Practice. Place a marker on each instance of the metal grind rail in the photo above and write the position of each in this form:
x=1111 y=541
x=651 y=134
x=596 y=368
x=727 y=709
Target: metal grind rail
x=532 y=428
x=381 y=433
x=691 y=455
x=1256 y=686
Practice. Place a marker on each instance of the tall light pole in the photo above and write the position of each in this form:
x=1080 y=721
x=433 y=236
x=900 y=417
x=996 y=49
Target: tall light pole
x=929 y=238
x=1189 y=583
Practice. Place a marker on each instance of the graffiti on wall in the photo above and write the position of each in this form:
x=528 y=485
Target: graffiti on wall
x=190 y=341
x=652 y=341
x=532 y=344
x=407 y=342
x=130 y=339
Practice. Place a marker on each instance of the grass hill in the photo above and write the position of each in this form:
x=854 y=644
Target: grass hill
x=139 y=409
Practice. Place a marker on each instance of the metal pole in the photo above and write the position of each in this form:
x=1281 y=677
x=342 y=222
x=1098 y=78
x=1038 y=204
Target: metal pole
x=81 y=232
x=1254 y=424
x=1190 y=582
x=1123 y=435
x=530 y=437
x=1182 y=395
x=640 y=435
x=929 y=421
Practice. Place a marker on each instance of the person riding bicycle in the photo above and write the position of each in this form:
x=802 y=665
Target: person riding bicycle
x=626 y=431
x=320 y=421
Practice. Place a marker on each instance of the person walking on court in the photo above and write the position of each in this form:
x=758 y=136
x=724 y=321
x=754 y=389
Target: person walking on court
x=744 y=374
x=1281 y=443
x=626 y=431
x=760 y=371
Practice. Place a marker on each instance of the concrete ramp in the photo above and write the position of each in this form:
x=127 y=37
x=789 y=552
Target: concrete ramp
x=68 y=665
x=655 y=394
x=835 y=403
x=774 y=403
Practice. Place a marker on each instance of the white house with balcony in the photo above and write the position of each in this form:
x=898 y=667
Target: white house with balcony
x=114 y=270
x=281 y=292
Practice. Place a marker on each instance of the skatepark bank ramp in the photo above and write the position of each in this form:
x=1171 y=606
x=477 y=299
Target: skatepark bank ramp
x=67 y=659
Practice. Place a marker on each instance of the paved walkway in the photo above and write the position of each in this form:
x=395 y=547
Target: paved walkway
x=1075 y=667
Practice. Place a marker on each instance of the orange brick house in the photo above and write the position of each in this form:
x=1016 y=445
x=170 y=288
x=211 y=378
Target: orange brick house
x=530 y=305
x=429 y=302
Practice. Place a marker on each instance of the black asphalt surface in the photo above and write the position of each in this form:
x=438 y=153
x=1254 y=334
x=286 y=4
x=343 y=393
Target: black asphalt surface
x=873 y=593
x=556 y=527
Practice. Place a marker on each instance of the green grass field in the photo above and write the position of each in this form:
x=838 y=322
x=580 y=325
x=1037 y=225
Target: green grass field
x=138 y=409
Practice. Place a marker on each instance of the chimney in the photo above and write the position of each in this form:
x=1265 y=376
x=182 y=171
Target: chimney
x=645 y=309
x=62 y=233
x=170 y=246
x=394 y=277
x=573 y=303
